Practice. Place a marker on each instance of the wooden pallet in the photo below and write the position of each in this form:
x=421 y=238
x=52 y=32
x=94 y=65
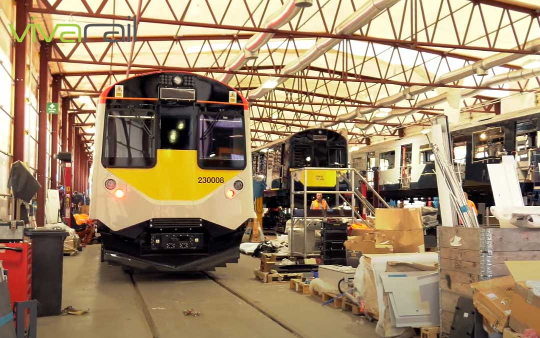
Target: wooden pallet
x=299 y=286
x=327 y=296
x=347 y=305
x=273 y=276
x=430 y=332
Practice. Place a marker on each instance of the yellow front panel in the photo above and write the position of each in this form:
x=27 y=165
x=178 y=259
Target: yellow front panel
x=176 y=176
x=319 y=178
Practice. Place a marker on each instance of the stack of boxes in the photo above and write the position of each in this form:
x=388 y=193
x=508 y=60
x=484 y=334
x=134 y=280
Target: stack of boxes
x=333 y=236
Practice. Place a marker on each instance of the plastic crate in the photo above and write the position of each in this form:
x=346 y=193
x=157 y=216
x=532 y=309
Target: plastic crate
x=333 y=245
x=334 y=235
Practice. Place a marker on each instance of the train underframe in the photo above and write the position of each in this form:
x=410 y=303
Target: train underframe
x=172 y=245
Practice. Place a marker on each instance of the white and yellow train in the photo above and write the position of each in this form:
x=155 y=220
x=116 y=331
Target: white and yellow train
x=172 y=178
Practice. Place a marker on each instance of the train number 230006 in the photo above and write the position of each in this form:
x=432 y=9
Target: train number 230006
x=211 y=180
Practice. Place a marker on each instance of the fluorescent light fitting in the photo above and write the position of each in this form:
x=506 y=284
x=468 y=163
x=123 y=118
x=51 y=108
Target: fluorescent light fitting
x=426 y=131
x=533 y=64
x=355 y=148
x=383 y=112
x=270 y=84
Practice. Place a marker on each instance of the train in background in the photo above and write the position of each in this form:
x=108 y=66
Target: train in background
x=318 y=148
x=405 y=168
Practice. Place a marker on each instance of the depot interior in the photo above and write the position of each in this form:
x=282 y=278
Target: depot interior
x=382 y=156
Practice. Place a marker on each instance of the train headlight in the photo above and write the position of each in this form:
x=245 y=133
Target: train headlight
x=177 y=80
x=230 y=194
x=110 y=184
x=238 y=185
x=119 y=193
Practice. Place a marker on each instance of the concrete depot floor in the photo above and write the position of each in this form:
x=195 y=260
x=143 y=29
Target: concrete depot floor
x=116 y=308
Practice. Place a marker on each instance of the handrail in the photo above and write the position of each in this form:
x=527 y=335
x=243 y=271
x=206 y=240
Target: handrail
x=343 y=174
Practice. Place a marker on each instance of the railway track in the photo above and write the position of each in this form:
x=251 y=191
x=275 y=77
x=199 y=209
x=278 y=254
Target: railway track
x=151 y=317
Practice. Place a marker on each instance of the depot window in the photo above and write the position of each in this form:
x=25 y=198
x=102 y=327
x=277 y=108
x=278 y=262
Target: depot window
x=221 y=141
x=129 y=139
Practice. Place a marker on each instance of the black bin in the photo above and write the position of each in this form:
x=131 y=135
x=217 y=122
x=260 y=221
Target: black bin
x=47 y=269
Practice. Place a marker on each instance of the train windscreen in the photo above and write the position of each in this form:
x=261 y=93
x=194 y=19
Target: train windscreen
x=130 y=138
x=222 y=143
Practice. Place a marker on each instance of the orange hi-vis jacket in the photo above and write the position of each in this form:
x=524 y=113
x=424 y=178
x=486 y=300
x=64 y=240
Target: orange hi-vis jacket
x=316 y=205
x=472 y=206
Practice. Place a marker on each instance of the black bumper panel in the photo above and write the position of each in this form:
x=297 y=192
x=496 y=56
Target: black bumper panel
x=136 y=247
x=208 y=263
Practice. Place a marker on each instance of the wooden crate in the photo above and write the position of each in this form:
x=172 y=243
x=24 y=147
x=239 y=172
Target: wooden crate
x=429 y=332
x=299 y=286
x=468 y=255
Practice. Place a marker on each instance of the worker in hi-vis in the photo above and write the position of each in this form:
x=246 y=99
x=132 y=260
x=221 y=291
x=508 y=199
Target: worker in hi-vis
x=471 y=204
x=319 y=203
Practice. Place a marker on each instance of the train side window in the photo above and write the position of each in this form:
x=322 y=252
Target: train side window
x=222 y=141
x=460 y=153
x=488 y=144
x=387 y=160
x=526 y=134
x=129 y=138
x=371 y=160
x=426 y=154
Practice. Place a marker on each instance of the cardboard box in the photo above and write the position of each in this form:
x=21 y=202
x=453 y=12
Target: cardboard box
x=402 y=228
x=525 y=304
x=493 y=299
x=509 y=333
x=366 y=246
x=268 y=262
x=398 y=219
x=399 y=228
x=404 y=241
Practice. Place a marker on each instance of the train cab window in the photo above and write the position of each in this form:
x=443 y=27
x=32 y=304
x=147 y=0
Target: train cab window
x=129 y=138
x=387 y=160
x=302 y=156
x=222 y=141
x=337 y=158
x=177 y=127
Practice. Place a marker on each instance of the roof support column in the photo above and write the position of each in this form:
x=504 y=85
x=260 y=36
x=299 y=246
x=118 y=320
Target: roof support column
x=64 y=123
x=70 y=133
x=56 y=84
x=21 y=20
x=42 y=134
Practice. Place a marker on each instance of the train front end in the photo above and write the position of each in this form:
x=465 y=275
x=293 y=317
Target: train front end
x=171 y=187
